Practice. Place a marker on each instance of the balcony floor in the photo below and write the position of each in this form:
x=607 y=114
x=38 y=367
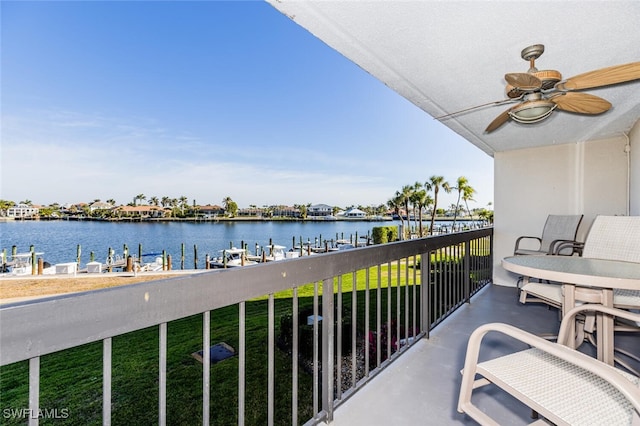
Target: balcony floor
x=422 y=386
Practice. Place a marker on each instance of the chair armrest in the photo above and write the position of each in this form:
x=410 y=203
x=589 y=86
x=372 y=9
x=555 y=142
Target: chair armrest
x=557 y=246
x=608 y=373
x=523 y=238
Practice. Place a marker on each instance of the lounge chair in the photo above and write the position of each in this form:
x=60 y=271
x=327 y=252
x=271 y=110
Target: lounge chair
x=561 y=384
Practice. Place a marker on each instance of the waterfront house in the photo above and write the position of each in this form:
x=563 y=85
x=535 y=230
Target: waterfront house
x=100 y=206
x=319 y=210
x=285 y=211
x=354 y=213
x=141 y=212
x=23 y=211
x=211 y=210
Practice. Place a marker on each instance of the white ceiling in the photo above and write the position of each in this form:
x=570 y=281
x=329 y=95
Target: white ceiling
x=445 y=56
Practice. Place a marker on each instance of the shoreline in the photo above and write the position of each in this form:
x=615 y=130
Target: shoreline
x=222 y=219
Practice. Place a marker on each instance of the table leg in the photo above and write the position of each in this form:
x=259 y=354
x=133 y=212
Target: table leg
x=568 y=302
x=604 y=330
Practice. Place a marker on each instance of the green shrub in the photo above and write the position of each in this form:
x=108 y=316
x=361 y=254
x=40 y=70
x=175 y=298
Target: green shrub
x=384 y=234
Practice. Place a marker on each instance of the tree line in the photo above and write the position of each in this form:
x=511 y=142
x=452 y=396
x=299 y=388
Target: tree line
x=420 y=197
x=412 y=200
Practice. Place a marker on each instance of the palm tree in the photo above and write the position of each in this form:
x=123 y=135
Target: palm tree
x=225 y=202
x=434 y=184
x=399 y=201
x=467 y=195
x=420 y=200
x=154 y=201
x=415 y=188
x=111 y=201
x=183 y=202
x=165 y=201
x=394 y=204
x=5 y=205
x=138 y=197
x=230 y=206
x=461 y=185
x=406 y=193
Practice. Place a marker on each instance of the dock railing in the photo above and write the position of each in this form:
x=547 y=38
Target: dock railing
x=363 y=308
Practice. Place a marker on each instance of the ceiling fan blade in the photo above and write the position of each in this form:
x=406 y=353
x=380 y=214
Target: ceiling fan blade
x=523 y=80
x=602 y=77
x=500 y=102
x=498 y=121
x=582 y=103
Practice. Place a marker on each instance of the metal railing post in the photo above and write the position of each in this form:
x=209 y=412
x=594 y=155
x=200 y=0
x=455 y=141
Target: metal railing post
x=327 y=348
x=467 y=271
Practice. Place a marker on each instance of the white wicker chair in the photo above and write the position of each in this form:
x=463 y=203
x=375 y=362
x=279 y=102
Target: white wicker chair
x=563 y=385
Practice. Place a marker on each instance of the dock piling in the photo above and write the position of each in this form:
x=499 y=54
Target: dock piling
x=195 y=256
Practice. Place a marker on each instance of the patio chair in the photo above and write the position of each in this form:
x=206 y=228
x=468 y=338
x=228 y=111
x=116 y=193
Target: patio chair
x=557 y=229
x=558 y=238
x=612 y=238
x=563 y=385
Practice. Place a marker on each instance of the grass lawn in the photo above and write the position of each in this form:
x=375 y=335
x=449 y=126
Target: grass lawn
x=72 y=379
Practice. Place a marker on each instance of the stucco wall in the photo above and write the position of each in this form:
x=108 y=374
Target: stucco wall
x=634 y=182
x=587 y=178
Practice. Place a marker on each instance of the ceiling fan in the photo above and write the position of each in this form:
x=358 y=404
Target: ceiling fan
x=539 y=93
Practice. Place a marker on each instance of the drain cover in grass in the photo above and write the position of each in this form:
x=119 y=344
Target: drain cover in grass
x=217 y=353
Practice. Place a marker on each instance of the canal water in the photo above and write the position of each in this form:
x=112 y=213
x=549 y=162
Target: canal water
x=59 y=240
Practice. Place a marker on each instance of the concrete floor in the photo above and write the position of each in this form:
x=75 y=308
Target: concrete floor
x=421 y=387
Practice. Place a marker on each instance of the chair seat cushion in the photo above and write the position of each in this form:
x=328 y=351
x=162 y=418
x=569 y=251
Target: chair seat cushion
x=552 y=292
x=628 y=298
x=572 y=394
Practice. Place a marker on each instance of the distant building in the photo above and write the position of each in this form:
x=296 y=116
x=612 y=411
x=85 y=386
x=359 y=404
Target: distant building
x=141 y=211
x=211 y=210
x=99 y=205
x=250 y=212
x=23 y=210
x=355 y=214
x=286 y=211
x=319 y=210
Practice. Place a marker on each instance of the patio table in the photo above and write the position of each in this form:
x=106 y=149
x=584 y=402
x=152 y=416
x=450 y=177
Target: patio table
x=583 y=278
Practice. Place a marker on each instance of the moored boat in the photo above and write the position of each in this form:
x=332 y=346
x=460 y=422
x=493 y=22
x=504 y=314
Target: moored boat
x=231 y=258
x=22 y=264
x=278 y=252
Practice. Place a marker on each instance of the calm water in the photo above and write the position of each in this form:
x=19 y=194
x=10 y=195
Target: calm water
x=59 y=239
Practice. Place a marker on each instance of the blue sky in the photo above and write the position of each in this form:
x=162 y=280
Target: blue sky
x=107 y=100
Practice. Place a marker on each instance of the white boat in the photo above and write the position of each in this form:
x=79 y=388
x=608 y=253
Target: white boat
x=342 y=245
x=156 y=265
x=231 y=258
x=22 y=264
x=278 y=252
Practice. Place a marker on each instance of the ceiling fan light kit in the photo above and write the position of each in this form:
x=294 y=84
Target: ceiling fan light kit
x=532 y=111
x=542 y=92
